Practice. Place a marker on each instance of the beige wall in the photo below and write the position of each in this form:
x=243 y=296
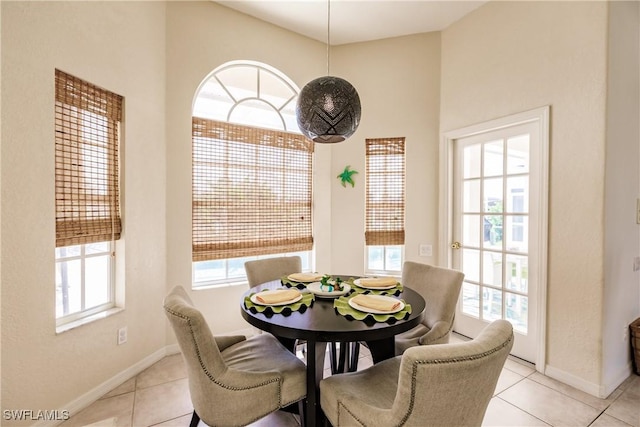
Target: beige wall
x=508 y=57
x=119 y=46
x=200 y=37
x=398 y=82
x=622 y=189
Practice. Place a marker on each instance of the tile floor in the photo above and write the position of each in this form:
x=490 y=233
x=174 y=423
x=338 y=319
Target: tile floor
x=159 y=396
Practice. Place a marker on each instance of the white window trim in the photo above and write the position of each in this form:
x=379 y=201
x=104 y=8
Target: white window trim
x=83 y=317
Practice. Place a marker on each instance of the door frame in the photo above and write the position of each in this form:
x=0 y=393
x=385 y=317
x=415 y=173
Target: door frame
x=539 y=116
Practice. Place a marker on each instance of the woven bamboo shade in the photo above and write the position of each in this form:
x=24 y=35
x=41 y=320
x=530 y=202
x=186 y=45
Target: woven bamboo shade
x=385 y=188
x=87 y=121
x=251 y=191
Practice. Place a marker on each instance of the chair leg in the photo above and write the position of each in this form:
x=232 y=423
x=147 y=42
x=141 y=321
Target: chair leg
x=195 y=420
x=301 y=411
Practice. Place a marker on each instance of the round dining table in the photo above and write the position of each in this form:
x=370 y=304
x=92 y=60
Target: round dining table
x=320 y=324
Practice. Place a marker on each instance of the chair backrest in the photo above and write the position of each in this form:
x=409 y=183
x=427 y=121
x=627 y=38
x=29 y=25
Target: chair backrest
x=236 y=392
x=452 y=384
x=440 y=288
x=265 y=270
x=199 y=348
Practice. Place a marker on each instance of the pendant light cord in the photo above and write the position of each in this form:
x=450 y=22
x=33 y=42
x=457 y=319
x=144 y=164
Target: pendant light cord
x=328 y=35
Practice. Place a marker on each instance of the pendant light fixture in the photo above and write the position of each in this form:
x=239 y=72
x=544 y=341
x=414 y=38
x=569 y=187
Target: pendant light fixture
x=328 y=108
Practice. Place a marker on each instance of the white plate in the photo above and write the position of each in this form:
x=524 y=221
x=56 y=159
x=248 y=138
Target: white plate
x=255 y=300
x=373 y=310
x=315 y=288
x=312 y=277
x=383 y=288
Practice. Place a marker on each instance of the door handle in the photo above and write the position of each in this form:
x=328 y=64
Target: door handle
x=455 y=245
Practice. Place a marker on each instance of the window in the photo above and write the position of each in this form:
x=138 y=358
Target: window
x=385 y=189
x=84 y=278
x=251 y=173
x=87 y=126
x=232 y=270
x=384 y=258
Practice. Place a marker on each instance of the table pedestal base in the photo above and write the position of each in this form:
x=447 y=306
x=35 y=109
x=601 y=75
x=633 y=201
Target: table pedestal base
x=380 y=350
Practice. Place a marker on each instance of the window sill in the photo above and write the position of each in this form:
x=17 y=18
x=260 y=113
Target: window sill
x=206 y=286
x=383 y=273
x=89 y=319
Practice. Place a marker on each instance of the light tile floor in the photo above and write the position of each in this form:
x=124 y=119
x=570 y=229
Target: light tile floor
x=159 y=396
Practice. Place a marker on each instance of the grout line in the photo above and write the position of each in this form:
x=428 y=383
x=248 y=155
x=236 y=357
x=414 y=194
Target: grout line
x=517 y=382
x=173 y=419
x=520 y=409
x=163 y=382
x=568 y=396
x=605 y=401
x=135 y=398
x=518 y=373
x=596 y=418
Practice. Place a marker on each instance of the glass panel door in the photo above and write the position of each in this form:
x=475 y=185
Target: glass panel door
x=491 y=226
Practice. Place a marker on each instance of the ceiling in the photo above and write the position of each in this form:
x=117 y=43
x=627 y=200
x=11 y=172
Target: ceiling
x=356 y=20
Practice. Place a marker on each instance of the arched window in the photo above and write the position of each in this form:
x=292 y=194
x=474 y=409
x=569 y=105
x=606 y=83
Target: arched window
x=248 y=93
x=251 y=173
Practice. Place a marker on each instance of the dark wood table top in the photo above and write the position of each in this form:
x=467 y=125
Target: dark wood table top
x=322 y=323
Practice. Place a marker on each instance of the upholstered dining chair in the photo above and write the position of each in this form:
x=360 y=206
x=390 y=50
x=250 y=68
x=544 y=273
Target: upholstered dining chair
x=265 y=270
x=268 y=269
x=233 y=380
x=430 y=385
x=440 y=288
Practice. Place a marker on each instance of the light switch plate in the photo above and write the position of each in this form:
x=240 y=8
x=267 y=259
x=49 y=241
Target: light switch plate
x=426 y=250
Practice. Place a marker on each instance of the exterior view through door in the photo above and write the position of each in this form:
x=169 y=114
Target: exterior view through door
x=497 y=203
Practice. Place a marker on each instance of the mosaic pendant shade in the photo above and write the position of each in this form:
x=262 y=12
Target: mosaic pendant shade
x=328 y=110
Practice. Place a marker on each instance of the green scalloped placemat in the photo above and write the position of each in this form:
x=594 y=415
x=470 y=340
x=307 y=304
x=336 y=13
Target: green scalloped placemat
x=301 y=306
x=291 y=284
x=391 y=292
x=341 y=305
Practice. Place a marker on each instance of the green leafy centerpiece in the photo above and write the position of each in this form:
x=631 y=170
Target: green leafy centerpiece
x=331 y=285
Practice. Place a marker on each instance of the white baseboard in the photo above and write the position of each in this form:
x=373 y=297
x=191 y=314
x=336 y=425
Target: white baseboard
x=610 y=386
x=96 y=393
x=172 y=349
x=601 y=391
x=572 y=380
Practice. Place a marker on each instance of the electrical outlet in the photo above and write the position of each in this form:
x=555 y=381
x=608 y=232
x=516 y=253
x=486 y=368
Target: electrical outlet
x=122 y=335
x=625 y=333
x=636 y=263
